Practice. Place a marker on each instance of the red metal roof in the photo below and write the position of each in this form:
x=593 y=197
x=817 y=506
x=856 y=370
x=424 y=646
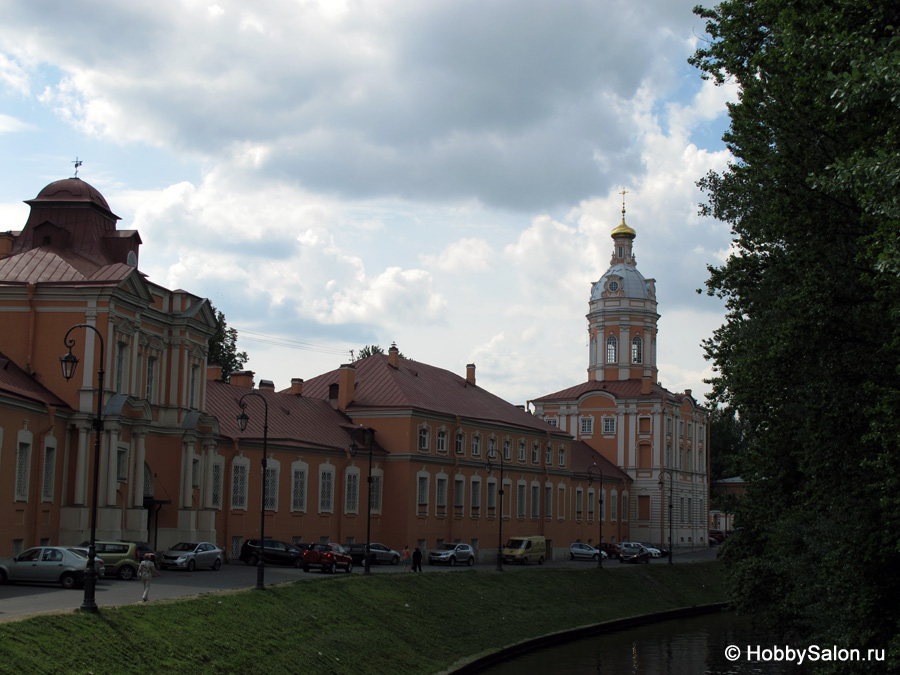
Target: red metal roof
x=419 y=386
x=307 y=422
x=584 y=456
x=616 y=388
x=17 y=383
x=47 y=265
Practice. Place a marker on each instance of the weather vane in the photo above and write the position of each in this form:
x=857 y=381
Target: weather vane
x=77 y=163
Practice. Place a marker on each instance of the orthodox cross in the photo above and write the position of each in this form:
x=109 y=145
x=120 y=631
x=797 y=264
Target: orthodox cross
x=77 y=163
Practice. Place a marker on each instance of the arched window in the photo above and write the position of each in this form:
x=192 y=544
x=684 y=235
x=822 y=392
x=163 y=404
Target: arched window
x=612 y=346
x=637 y=350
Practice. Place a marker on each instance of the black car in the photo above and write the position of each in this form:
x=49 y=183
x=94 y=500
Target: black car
x=275 y=552
x=378 y=553
x=634 y=554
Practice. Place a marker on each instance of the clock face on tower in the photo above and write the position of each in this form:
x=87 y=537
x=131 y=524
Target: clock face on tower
x=613 y=286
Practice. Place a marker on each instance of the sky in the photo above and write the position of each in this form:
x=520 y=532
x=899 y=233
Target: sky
x=441 y=174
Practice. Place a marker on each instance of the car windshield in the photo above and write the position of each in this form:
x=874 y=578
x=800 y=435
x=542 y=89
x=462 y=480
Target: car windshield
x=446 y=547
x=515 y=543
x=183 y=546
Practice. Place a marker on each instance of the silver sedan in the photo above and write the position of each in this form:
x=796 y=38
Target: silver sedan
x=45 y=564
x=190 y=555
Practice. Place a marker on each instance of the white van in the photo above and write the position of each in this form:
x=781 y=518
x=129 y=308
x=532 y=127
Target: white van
x=525 y=550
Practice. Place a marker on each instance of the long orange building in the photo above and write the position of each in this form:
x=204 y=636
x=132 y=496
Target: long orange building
x=449 y=460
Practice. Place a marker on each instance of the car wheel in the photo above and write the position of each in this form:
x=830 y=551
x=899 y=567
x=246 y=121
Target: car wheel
x=253 y=560
x=126 y=572
x=306 y=568
x=349 y=567
x=192 y=565
x=67 y=580
x=452 y=561
x=395 y=560
x=471 y=560
x=594 y=557
x=217 y=564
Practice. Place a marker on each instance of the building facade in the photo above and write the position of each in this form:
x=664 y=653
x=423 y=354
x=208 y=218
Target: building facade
x=660 y=439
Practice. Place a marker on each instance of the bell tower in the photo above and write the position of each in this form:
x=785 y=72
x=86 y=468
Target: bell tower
x=622 y=319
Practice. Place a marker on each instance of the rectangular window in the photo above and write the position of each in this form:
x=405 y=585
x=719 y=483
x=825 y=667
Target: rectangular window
x=195 y=469
x=442 y=441
x=217 y=470
x=149 y=390
x=579 y=503
x=194 y=388
x=375 y=493
x=49 y=472
x=23 y=462
x=122 y=464
x=614 y=507
x=535 y=453
x=548 y=456
x=521 y=451
x=492 y=495
x=521 y=508
x=587 y=426
x=423 y=439
x=552 y=421
x=690 y=510
x=459 y=492
x=460 y=443
x=271 y=488
x=548 y=501
x=507 y=450
x=609 y=425
x=298 y=490
x=121 y=367
x=326 y=491
x=562 y=457
x=561 y=502
x=351 y=503
x=476 y=446
x=492 y=447
x=535 y=501
x=441 y=493
x=624 y=506
x=590 y=504
x=239 y=486
x=475 y=497
x=643 y=507
x=422 y=497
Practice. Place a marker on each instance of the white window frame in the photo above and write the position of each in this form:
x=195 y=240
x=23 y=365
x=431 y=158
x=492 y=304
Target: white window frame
x=240 y=478
x=586 y=425
x=326 y=488
x=48 y=480
x=273 y=472
x=609 y=425
x=299 y=485
x=351 y=490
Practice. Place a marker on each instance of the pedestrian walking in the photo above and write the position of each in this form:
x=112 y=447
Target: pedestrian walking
x=417 y=560
x=146 y=571
x=405 y=558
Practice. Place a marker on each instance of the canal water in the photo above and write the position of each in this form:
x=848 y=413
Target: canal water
x=683 y=646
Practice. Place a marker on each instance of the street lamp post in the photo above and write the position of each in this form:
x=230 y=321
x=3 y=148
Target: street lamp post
x=662 y=483
x=591 y=470
x=243 y=419
x=69 y=362
x=367 y=433
x=490 y=467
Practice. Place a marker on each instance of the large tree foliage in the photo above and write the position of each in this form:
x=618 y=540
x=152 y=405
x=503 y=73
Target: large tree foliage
x=223 y=347
x=808 y=354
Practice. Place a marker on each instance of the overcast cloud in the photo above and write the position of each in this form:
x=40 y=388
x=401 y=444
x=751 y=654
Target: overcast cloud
x=442 y=174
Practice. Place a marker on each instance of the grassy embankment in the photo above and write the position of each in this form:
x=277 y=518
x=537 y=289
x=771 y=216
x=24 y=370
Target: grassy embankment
x=386 y=623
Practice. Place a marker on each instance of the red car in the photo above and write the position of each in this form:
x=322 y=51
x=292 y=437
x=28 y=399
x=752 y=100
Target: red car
x=612 y=550
x=327 y=557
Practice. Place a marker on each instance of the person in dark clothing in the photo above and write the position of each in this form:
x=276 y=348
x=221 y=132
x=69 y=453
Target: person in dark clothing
x=417 y=560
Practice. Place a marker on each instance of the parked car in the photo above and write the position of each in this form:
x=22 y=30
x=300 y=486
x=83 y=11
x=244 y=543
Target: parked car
x=611 y=550
x=190 y=555
x=524 y=550
x=121 y=558
x=378 y=553
x=634 y=553
x=716 y=537
x=582 y=551
x=654 y=552
x=142 y=549
x=99 y=567
x=45 y=564
x=274 y=551
x=327 y=557
x=451 y=554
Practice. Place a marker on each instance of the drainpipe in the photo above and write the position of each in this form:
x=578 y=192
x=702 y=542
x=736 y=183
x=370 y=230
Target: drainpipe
x=32 y=317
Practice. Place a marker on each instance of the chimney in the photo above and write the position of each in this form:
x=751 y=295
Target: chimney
x=687 y=392
x=394 y=356
x=266 y=385
x=470 y=374
x=242 y=378
x=214 y=372
x=296 y=386
x=646 y=385
x=346 y=384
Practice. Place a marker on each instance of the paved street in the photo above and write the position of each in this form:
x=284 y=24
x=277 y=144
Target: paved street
x=21 y=600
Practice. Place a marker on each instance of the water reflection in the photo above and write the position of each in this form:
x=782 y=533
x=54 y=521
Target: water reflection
x=683 y=646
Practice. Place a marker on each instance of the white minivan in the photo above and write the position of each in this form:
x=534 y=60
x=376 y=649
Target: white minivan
x=525 y=550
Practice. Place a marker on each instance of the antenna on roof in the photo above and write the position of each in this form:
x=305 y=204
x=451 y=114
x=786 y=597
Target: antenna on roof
x=77 y=163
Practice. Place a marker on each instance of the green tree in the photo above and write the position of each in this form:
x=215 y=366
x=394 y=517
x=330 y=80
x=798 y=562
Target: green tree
x=370 y=350
x=808 y=354
x=223 y=347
